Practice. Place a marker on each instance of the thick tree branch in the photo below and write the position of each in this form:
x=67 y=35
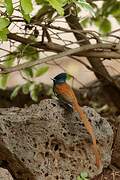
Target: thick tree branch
x=69 y=52
x=54 y=47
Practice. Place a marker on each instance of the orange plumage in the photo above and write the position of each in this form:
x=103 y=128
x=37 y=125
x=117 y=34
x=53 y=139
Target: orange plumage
x=64 y=92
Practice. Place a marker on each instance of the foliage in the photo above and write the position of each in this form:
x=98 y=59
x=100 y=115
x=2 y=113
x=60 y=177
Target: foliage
x=46 y=14
x=83 y=176
x=102 y=15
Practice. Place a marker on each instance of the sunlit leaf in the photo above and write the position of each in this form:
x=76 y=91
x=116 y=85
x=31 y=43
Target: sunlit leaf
x=57 y=5
x=34 y=92
x=41 y=71
x=25 y=88
x=84 y=174
x=9 y=6
x=3 y=34
x=41 y=1
x=86 y=6
x=79 y=178
x=26 y=16
x=15 y=92
x=3 y=81
x=4 y=22
x=27 y=6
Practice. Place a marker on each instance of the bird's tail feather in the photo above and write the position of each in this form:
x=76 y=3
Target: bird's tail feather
x=89 y=128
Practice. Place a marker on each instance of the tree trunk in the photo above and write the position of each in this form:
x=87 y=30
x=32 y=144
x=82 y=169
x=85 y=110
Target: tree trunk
x=111 y=90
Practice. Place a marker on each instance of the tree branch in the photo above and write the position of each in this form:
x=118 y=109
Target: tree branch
x=81 y=49
x=54 y=47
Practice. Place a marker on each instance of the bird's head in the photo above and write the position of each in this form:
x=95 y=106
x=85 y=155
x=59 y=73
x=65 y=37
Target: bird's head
x=60 y=78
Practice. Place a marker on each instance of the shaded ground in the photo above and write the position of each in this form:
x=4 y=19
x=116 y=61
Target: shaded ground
x=93 y=97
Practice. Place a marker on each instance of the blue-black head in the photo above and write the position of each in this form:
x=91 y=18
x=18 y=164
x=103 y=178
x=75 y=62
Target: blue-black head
x=60 y=78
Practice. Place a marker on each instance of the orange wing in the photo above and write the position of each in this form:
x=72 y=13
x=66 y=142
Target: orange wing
x=66 y=92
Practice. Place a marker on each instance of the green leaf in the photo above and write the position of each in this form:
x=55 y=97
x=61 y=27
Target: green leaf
x=41 y=71
x=85 y=22
x=26 y=16
x=9 y=6
x=27 y=6
x=84 y=175
x=3 y=81
x=69 y=77
x=40 y=1
x=105 y=26
x=34 y=95
x=79 y=178
x=4 y=22
x=34 y=92
x=3 y=34
x=117 y=19
x=15 y=92
x=25 y=88
x=28 y=72
x=115 y=10
x=57 y=5
x=28 y=52
x=86 y=6
x=8 y=61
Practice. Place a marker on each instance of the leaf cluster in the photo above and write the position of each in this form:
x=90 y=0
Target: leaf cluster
x=48 y=10
x=102 y=15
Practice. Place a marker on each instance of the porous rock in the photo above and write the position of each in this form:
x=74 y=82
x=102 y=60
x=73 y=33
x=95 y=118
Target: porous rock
x=5 y=175
x=46 y=142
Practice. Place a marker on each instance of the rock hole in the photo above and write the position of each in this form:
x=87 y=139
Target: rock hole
x=4 y=134
x=46 y=144
x=35 y=145
x=56 y=147
x=46 y=174
x=22 y=159
x=52 y=135
x=46 y=154
x=62 y=155
x=71 y=177
x=65 y=134
x=91 y=114
x=57 y=177
x=53 y=104
x=90 y=167
x=101 y=121
x=72 y=148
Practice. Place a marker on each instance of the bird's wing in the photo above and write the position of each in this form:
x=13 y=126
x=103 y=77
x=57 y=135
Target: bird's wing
x=65 y=93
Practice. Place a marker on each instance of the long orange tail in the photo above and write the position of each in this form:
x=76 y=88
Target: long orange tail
x=89 y=128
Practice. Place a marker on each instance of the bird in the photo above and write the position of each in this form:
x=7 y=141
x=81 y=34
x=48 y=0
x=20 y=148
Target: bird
x=67 y=96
